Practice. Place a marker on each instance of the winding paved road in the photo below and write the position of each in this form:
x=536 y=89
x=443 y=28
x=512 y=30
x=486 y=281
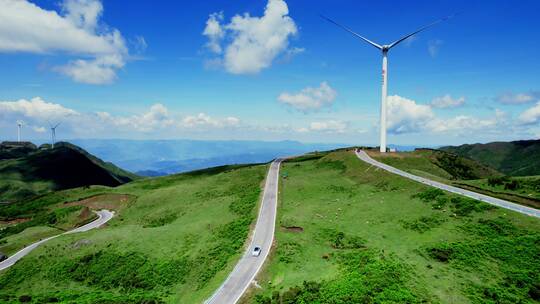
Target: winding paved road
x=103 y=217
x=247 y=268
x=477 y=196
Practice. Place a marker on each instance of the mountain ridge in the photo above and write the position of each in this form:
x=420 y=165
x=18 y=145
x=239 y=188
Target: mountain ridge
x=515 y=158
x=27 y=171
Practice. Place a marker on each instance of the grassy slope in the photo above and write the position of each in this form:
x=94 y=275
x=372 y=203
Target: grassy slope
x=366 y=239
x=424 y=163
x=517 y=158
x=175 y=243
x=64 y=167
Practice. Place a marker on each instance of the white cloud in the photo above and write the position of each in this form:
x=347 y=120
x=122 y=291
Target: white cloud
x=157 y=117
x=406 y=116
x=519 y=98
x=101 y=70
x=215 y=32
x=76 y=31
x=434 y=46
x=531 y=115
x=447 y=101
x=291 y=53
x=461 y=123
x=203 y=120
x=329 y=126
x=252 y=43
x=310 y=99
x=35 y=109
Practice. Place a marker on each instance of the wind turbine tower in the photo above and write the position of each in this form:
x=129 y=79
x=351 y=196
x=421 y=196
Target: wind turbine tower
x=19 y=127
x=384 y=50
x=53 y=134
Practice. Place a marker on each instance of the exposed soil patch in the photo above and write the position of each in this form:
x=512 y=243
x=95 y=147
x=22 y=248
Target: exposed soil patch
x=85 y=213
x=293 y=229
x=15 y=221
x=104 y=201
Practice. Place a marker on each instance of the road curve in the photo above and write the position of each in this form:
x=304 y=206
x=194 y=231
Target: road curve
x=477 y=196
x=103 y=217
x=248 y=266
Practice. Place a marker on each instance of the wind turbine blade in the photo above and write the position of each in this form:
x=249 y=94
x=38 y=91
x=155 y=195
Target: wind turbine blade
x=419 y=30
x=352 y=32
x=57 y=125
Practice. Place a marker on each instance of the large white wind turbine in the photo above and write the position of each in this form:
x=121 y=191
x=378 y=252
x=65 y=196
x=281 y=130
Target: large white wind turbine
x=385 y=48
x=53 y=134
x=19 y=127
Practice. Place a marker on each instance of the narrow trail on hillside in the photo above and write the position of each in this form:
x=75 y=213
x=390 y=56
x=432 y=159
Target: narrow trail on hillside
x=477 y=196
x=103 y=217
x=248 y=266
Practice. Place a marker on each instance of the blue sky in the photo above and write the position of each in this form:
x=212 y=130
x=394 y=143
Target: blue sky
x=146 y=70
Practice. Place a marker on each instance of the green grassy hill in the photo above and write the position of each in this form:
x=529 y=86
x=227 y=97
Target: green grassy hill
x=465 y=173
x=174 y=239
x=26 y=171
x=436 y=164
x=349 y=233
x=516 y=158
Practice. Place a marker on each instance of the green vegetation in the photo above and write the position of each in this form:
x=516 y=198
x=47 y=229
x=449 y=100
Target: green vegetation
x=465 y=173
x=26 y=171
x=174 y=240
x=366 y=236
x=516 y=158
x=523 y=190
x=436 y=164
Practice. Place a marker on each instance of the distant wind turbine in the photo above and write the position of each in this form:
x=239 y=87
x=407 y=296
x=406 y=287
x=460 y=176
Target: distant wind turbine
x=53 y=134
x=20 y=123
x=385 y=48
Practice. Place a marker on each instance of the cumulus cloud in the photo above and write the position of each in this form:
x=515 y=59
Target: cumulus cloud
x=434 y=46
x=462 y=123
x=519 y=98
x=203 y=120
x=157 y=117
x=214 y=32
x=406 y=116
x=531 y=115
x=329 y=126
x=447 y=101
x=36 y=113
x=310 y=99
x=35 y=108
x=248 y=44
x=76 y=31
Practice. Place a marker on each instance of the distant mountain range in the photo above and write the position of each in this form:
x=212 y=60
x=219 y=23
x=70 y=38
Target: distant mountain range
x=517 y=158
x=162 y=157
x=27 y=171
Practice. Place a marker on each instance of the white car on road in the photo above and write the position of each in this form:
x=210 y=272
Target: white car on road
x=256 y=251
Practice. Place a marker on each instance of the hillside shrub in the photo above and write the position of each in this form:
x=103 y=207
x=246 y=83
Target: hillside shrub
x=366 y=277
x=160 y=221
x=128 y=271
x=514 y=252
x=423 y=223
x=497 y=180
x=463 y=206
x=429 y=195
x=288 y=251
